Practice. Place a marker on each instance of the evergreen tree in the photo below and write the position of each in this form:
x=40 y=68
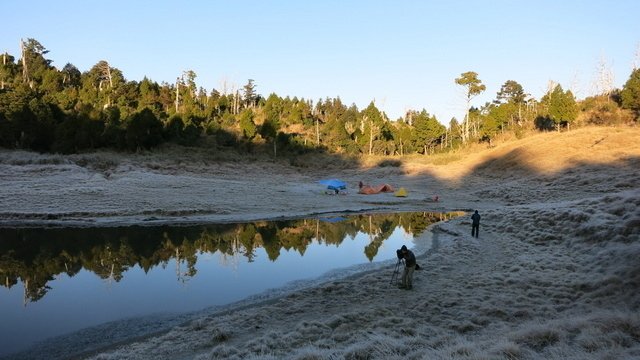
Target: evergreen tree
x=349 y=120
x=143 y=130
x=186 y=101
x=511 y=92
x=454 y=134
x=8 y=71
x=427 y=131
x=149 y=96
x=249 y=92
x=561 y=105
x=77 y=133
x=33 y=64
x=371 y=124
x=68 y=97
x=100 y=84
x=497 y=118
x=630 y=94
x=126 y=97
x=247 y=126
x=402 y=135
x=271 y=125
x=474 y=87
x=71 y=76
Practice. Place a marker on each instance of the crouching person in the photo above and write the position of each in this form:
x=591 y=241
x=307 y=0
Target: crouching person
x=409 y=268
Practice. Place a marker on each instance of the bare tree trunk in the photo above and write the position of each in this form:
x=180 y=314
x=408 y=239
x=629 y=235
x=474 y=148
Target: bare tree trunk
x=465 y=131
x=4 y=63
x=25 y=297
x=474 y=127
x=446 y=137
x=25 y=72
x=370 y=137
x=109 y=75
x=236 y=102
x=604 y=84
x=178 y=272
x=177 y=93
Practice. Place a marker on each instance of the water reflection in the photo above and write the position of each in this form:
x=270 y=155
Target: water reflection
x=36 y=257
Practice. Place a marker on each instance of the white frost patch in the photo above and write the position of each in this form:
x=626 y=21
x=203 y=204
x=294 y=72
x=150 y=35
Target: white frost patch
x=554 y=274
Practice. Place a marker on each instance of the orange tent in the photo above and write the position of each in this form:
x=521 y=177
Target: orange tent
x=370 y=190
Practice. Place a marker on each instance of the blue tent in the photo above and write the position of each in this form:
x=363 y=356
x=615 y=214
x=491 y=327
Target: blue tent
x=334 y=184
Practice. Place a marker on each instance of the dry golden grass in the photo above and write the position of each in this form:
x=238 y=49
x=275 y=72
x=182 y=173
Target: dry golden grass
x=544 y=153
x=552 y=152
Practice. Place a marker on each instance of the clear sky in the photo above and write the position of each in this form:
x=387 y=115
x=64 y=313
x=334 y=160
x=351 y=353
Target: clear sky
x=402 y=54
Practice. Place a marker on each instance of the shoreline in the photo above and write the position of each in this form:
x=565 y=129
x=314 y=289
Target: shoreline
x=455 y=298
x=47 y=347
x=553 y=275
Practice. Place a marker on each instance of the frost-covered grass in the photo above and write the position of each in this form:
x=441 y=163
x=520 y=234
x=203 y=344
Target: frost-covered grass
x=554 y=274
x=561 y=283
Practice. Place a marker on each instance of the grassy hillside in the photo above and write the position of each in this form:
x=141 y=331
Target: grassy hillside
x=544 y=154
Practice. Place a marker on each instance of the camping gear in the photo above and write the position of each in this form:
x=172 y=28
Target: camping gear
x=334 y=184
x=376 y=189
x=402 y=192
x=396 y=271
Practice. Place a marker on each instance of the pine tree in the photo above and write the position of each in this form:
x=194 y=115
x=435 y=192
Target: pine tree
x=561 y=105
x=630 y=94
x=427 y=132
x=473 y=87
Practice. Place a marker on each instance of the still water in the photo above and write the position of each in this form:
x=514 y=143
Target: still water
x=60 y=280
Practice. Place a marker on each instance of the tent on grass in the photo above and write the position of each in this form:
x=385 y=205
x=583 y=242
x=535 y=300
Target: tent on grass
x=375 y=189
x=334 y=185
x=402 y=192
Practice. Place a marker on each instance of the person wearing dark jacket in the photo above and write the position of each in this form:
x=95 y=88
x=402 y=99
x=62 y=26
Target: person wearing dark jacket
x=409 y=268
x=475 y=224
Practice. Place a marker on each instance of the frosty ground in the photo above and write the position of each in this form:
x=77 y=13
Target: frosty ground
x=554 y=274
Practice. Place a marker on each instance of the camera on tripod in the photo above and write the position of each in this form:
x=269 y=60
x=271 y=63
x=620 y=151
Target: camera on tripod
x=411 y=263
x=400 y=253
x=396 y=270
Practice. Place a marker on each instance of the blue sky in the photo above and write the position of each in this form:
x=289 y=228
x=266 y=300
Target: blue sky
x=402 y=54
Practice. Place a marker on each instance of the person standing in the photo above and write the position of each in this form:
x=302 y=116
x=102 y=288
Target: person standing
x=409 y=268
x=475 y=224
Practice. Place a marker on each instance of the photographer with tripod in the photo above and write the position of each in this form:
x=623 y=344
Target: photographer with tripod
x=409 y=267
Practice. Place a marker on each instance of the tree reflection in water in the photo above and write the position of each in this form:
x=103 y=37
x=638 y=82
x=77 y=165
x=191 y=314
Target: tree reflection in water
x=36 y=256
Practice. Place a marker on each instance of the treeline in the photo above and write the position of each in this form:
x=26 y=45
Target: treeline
x=36 y=256
x=47 y=109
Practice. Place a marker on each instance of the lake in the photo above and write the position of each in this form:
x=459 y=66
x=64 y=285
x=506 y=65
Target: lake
x=60 y=280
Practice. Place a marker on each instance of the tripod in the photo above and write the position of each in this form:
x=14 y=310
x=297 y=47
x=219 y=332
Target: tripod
x=396 y=271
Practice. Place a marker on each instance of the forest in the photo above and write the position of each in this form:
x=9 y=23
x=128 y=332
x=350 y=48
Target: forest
x=46 y=109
